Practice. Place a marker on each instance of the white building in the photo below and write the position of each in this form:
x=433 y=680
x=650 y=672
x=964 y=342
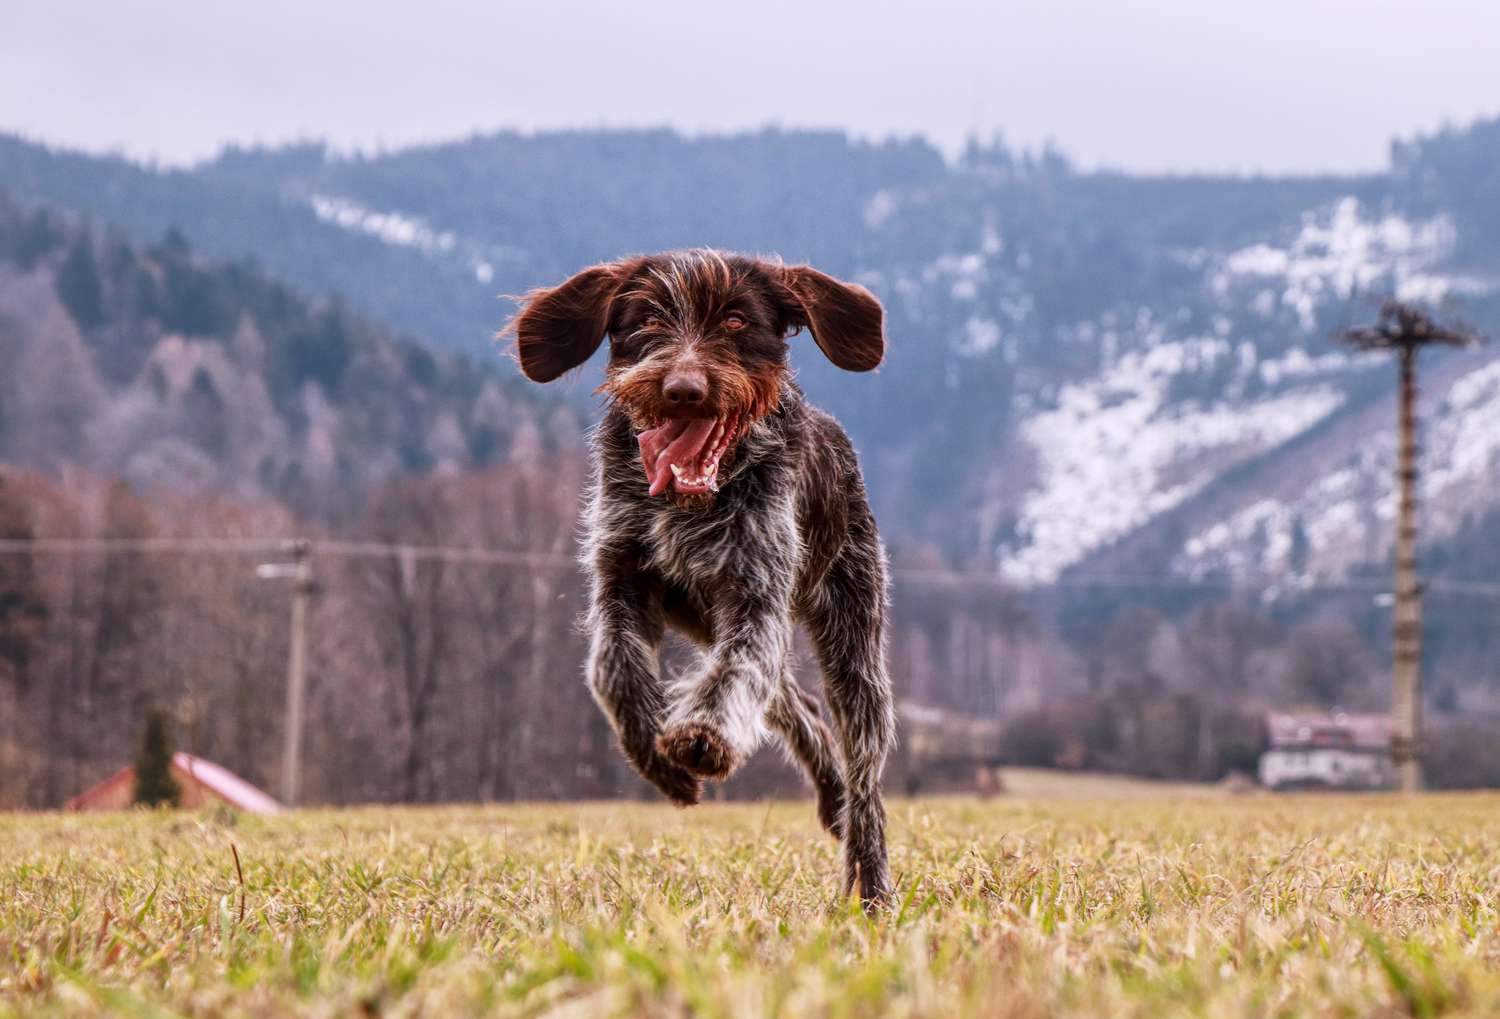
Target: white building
x=1335 y=751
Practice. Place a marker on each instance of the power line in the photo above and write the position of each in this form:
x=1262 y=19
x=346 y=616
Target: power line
x=445 y=553
x=284 y=546
x=554 y=561
x=68 y=546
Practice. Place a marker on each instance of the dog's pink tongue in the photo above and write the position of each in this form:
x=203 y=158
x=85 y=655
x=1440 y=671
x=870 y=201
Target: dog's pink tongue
x=678 y=441
x=654 y=440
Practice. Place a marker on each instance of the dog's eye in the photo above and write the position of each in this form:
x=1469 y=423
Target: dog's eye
x=734 y=322
x=650 y=322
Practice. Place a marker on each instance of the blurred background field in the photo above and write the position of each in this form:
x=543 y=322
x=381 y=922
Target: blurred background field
x=1070 y=896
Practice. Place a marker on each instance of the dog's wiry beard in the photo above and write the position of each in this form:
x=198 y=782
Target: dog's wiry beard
x=686 y=454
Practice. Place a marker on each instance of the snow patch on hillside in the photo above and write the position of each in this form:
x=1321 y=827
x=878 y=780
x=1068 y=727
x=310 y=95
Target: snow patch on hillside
x=1114 y=452
x=1334 y=520
x=399 y=230
x=1347 y=516
x=880 y=207
x=390 y=227
x=981 y=335
x=965 y=275
x=1297 y=364
x=1340 y=252
x=1463 y=440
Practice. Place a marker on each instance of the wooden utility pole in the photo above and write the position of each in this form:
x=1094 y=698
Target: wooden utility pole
x=1406 y=330
x=1406 y=627
x=299 y=571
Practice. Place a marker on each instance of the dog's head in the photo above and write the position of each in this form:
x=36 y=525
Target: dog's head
x=698 y=349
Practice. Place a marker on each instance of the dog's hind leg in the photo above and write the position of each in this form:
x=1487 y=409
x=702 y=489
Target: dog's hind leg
x=795 y=717
x=846 y=619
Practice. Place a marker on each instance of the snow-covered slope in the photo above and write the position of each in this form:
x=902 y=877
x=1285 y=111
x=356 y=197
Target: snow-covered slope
x=1167 y=413
x=1346 y=515
x=1115 y=452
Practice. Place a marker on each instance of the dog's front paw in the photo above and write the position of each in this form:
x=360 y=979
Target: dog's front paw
x=680 y=786
x=698 y=749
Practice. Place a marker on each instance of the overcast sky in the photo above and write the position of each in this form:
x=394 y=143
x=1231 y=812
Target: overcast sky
x=1275 y=85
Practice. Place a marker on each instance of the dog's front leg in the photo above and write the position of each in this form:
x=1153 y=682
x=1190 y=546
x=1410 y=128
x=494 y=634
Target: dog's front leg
x=717 y=717
x=624 y=669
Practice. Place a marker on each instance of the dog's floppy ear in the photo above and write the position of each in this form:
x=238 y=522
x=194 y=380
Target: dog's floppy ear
x=846 y=320
x=559 y=328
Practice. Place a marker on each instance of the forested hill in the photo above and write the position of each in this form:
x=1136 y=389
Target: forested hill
x=1089 y=371
x=149 y=363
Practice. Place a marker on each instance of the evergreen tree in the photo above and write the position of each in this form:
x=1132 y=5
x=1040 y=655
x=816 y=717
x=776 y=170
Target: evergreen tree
x=23 y=610
x=80 y=287
x=204 y=410
x=1301 y=550
x=154 y=784
x=37 y=238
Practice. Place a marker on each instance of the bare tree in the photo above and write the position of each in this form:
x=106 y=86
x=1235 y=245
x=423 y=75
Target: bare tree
x=23 y=611
x=23 y=617
x=1407 y=331
x=521 y=646
x=1219 y=645
x=1328 y=663
x=412 y=604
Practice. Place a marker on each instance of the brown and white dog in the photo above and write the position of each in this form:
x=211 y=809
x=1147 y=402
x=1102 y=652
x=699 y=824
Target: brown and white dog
x=726 y=505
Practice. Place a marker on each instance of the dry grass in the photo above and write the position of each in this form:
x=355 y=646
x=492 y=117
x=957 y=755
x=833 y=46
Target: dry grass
x=1112 y=903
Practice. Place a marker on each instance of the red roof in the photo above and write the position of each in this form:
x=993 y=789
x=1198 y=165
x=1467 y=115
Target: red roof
x=230 y=787
x=216 y=780
x=101 y=791
x=1336 y=731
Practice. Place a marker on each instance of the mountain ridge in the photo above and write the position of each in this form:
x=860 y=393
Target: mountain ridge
x=1077 y=359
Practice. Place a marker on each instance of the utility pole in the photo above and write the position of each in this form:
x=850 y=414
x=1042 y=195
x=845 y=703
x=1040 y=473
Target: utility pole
x=1406 y=627
x=1406 y=330
x=299 y=571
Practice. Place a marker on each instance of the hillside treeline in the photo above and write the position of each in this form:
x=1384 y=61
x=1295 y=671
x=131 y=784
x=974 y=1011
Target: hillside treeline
x=144 y=362
x=435 y=681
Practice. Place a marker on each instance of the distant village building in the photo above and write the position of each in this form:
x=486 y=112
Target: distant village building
x=945 y=752
x=203 y=784
x=1335 y=751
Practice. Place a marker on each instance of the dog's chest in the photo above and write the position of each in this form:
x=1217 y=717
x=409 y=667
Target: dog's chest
x=693 y=548
x=749 y=534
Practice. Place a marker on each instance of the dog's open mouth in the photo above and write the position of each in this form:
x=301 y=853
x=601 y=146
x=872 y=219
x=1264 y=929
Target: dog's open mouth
x=685 y=453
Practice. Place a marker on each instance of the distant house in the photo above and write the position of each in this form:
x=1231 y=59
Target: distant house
x=1336 y=751
x=943 y=751
x=203 y=784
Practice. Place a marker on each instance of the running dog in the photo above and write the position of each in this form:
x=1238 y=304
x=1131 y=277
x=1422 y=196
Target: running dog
x=725 y=505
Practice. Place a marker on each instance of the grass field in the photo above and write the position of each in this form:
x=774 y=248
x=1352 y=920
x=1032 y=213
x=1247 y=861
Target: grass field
x=1092 y=899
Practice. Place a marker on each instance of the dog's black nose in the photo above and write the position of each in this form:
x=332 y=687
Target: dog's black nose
x=685 y=389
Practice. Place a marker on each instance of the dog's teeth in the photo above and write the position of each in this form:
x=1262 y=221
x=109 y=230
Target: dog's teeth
x=677 y=472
